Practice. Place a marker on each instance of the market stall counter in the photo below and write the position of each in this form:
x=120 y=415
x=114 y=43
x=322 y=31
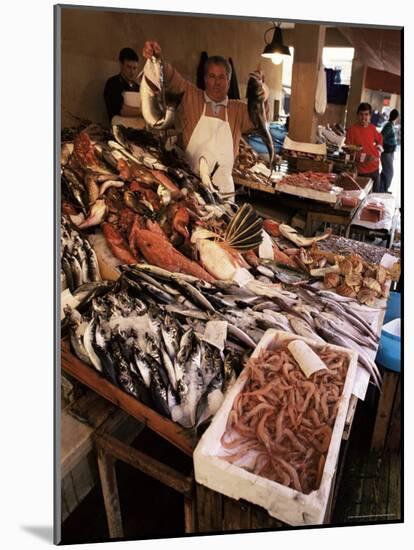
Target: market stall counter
x=196 y=287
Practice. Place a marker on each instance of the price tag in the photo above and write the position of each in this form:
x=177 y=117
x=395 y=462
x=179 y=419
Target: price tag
x=307 y=359
x=242 y=276
x=216 y=334
x=266 y=247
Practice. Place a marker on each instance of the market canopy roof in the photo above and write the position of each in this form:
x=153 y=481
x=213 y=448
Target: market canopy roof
x=377 y=48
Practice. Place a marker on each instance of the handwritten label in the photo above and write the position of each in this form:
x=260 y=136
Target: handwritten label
x=216 y=334
x=307 y=359
x=266 y=247
x=242 y=276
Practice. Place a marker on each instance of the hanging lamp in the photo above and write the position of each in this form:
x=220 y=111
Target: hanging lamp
x=275 y=50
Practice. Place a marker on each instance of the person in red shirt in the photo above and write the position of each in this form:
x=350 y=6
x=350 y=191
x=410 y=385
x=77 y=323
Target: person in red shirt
x=365 y=134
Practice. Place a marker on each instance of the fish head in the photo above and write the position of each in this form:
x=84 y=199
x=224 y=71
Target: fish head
x=255 y=89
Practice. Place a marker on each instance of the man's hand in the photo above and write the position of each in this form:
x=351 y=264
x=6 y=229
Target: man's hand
x=151 y=49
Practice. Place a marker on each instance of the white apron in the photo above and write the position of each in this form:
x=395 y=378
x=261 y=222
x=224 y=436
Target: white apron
x=213 y=140
x=132 y=99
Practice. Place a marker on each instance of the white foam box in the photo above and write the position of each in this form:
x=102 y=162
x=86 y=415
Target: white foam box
x=281 y=502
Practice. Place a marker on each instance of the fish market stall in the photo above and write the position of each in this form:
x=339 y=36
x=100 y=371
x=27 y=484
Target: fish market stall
x=303 y=181
x=168 y=294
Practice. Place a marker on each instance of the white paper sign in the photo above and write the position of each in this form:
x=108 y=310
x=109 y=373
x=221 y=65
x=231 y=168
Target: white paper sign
x=242 y=276
x=266 y=247
x=216 y=334
x=307 y=359
x=67 y=299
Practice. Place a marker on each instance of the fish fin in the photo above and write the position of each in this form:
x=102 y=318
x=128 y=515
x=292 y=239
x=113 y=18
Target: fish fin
x=244 y=231
x=216 y=167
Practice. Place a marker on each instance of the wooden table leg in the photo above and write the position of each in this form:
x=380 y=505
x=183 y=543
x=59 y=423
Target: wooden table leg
x=189 y=514
x=109 y=485
x=385 y=406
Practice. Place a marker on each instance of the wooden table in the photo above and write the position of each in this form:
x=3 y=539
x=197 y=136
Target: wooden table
x=205 y=511
x=315 y=212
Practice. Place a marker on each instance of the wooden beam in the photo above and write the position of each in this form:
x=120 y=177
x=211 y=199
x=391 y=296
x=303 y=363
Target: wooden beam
x=146 y=464
x=109 y=486
x=309 y=42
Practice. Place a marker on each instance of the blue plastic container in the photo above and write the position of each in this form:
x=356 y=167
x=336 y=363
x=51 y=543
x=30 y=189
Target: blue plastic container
x=389 y=351
x=393 y=307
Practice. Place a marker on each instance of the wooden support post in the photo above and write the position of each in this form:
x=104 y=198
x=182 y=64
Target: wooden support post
x=110 y=493
x=189 y=514
x=309 y=42
x=385 y=406
x=209 y=510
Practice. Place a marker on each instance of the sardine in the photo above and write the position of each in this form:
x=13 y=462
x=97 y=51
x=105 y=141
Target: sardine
x=171 y=336
x=101 y=348
x=68 y=272
x=88 y=339
x=93 y=265
x=193 y=293
x=123 y=370
x=143 y=367
x=76 y=271
x=302 y=328
x=77 y=327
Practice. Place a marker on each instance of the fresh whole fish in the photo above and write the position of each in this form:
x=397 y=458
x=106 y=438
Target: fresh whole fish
x=158 y=106
x=96 y=215
x=257 y=113
x=110 y=183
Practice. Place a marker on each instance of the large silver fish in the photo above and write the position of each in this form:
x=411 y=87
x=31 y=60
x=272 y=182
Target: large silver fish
x=256 y=108
x=158 y=106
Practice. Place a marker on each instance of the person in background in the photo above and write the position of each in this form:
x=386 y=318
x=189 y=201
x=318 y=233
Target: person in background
x=387 y=156
x=364 y=134
x=121 y=92
x=212 y=123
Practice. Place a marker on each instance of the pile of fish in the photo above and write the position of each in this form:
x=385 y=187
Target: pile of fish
x=148 y=212
x=79 y=264
x=151 y=353
x=281 y=423
x=146 y=297
x=182 y=247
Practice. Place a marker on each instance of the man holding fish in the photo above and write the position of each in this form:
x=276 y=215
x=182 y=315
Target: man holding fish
x=121 y=92
x=212 y=123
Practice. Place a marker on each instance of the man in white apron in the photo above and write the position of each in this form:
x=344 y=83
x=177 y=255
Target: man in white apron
x=212 y=124
x=122 y=92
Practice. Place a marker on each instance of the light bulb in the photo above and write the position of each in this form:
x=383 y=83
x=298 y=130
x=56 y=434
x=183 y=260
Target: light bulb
x=277 y=58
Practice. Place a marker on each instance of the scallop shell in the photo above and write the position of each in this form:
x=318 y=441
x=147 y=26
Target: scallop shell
x=345 y=290
x=331 y=280
x=366 y=296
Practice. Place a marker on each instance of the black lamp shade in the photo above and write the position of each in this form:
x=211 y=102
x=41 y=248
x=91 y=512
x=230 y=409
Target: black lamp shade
x=276 y=45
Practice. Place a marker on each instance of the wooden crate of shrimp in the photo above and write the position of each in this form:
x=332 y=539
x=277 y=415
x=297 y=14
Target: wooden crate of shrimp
x=275 y=440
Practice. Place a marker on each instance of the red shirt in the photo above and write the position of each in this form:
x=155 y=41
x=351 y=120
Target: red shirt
x=368 y=138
